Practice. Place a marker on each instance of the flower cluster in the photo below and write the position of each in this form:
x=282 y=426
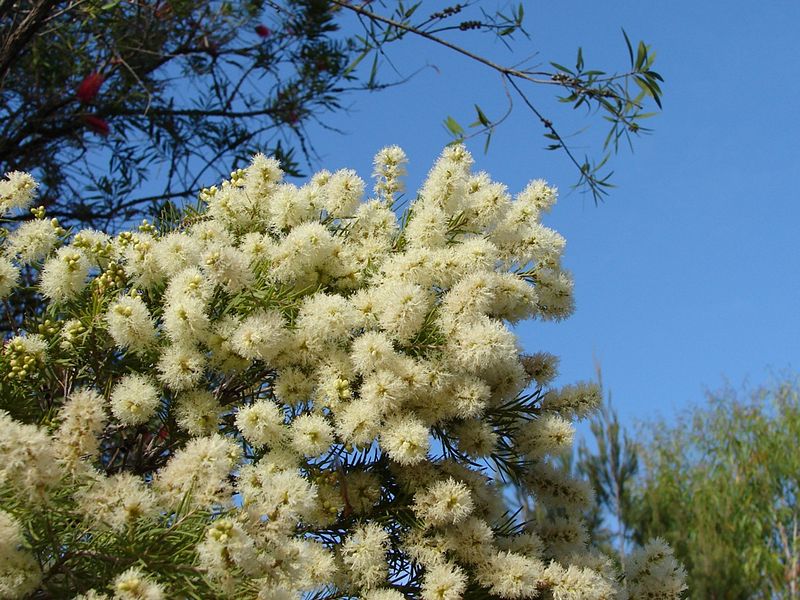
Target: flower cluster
x=293 y=390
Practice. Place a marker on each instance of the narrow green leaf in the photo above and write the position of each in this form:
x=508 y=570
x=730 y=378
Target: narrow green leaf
x=373 y=72
x=482 y=118
x=628 y=43
x=641 y=56
x=454 y=127
x=351 y=67
x=562 y=68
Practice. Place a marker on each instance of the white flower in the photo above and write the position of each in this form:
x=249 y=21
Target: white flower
x=576 y=400
x=17 y=191
x=227 y=546
x=261 y=336
x=549 y=434
x=371 y=351
x=313 y=352
x=198 y=412
x=141 y=263
x=64 y=275
x=483 y=346
x=227 y=267
x=373 y=220
x=262 y=177
x=181 y=367
x=363 y=553
x=311 y=435
x=9 y=276
x=19 y=571
x=326 y=318
x=343 y=193
x=33 y=241
x=444 y=581
x=134 y=585
x=653 y=572
x=98 y=246
x=199 y=472
x=390 y=167
x=445 y=501
x=291 y=206
x=510 y=575
x=304 y=255
x=117 y=501
x=82 y=420
x=211 y=234
x=189 y=283
x=276 y=491
x=176 y=252
x=130 y=324
x=185 y=320
x=405 y=440
x=446 y=185
x=427 y=227
x=475 y=437
x=28 y=464
x=262 y=423
x=293 y=386
x=384 y=390
x=134 y=399
x=358 y=422
x=402 y=308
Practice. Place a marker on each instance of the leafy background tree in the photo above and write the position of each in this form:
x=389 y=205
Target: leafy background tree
x=610 y=469
x=106 y=97
x=719 y=484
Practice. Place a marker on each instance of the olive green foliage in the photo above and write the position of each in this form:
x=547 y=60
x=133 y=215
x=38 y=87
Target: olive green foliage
x=720 y=485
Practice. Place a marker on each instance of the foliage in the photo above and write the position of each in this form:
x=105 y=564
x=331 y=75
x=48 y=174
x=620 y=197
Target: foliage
x=100 y=98
x=289 y=391
x=599 y=92
x=611 y=469
x=721 y=486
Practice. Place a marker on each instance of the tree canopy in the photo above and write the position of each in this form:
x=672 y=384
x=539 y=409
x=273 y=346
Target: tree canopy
x=719 y=484
x=97 y=97
x=292 y=392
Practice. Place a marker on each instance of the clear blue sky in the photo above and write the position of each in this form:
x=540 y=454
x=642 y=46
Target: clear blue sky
x=687 y=276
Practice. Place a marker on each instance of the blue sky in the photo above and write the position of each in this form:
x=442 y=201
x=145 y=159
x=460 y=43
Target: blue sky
x=687 y=275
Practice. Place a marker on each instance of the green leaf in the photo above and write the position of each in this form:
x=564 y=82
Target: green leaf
x=373 y=73
x=630 y=48
x=454 y=127
x=488 y=140
x=641 y=56
x=482 y=118
x=562 y=68
x=351 y=67
x=409 y=12
x=650 y=88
